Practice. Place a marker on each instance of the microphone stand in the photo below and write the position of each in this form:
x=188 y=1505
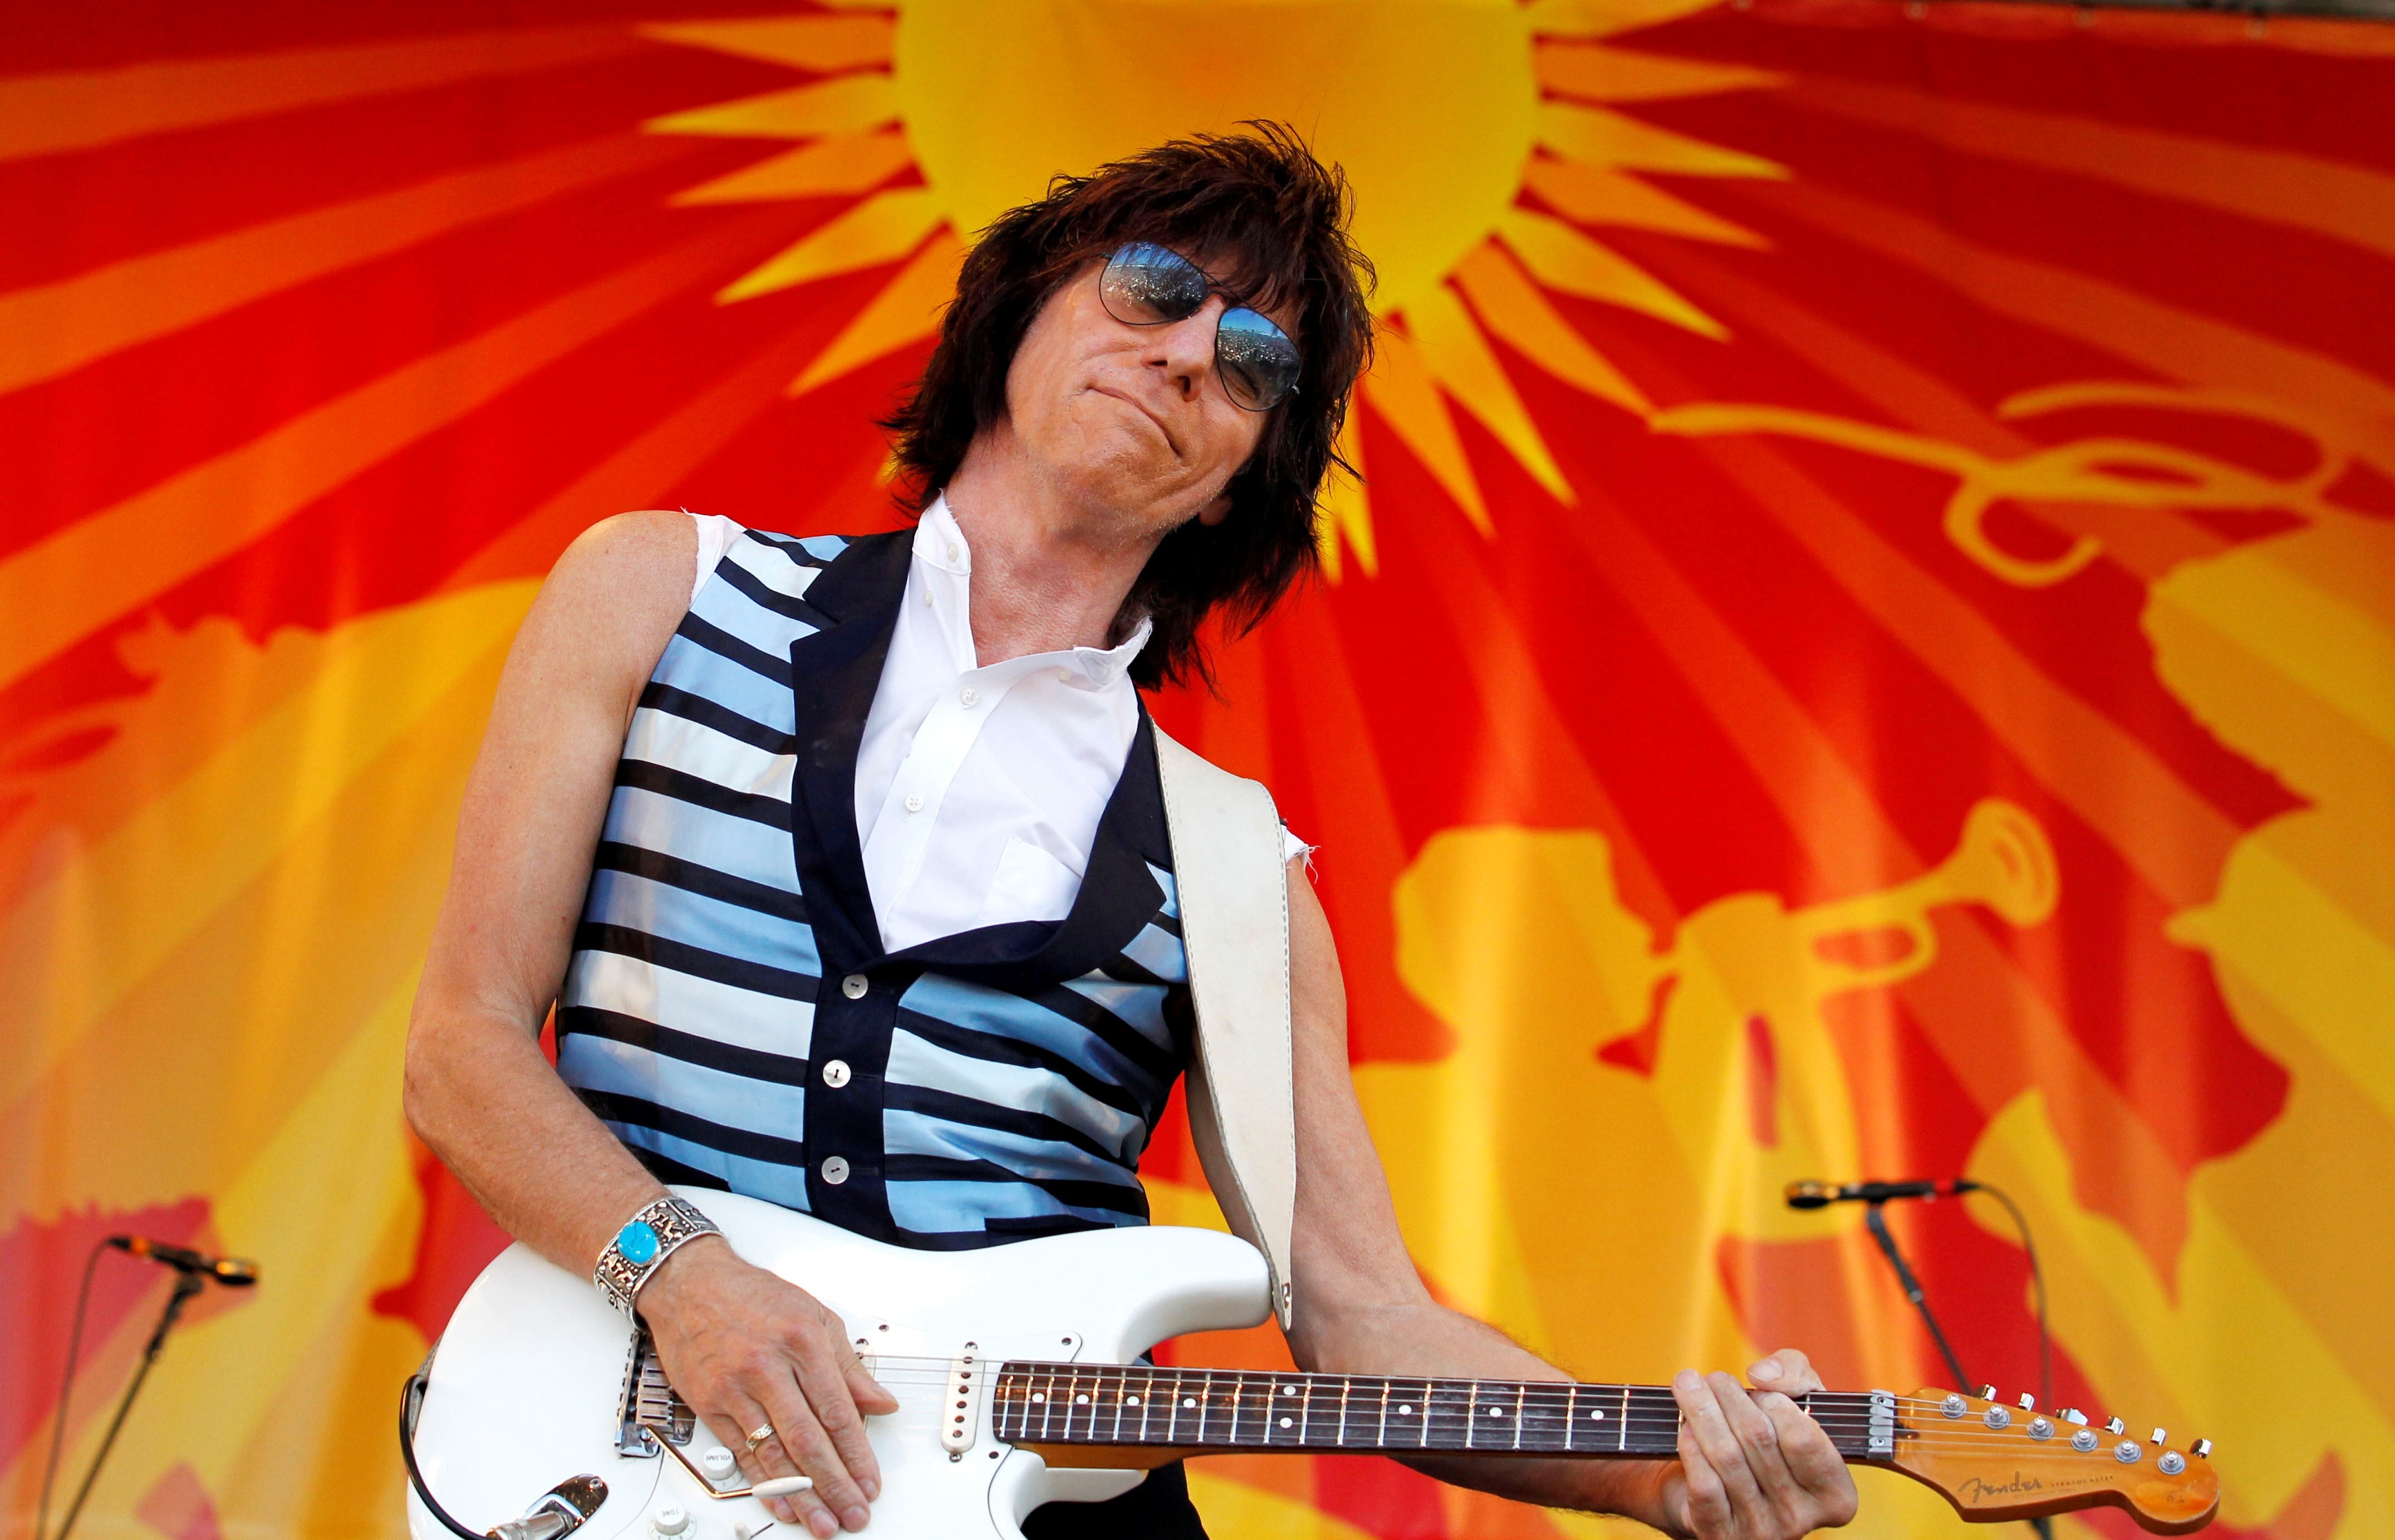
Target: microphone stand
x=1877 y=1223
x=187 y=1286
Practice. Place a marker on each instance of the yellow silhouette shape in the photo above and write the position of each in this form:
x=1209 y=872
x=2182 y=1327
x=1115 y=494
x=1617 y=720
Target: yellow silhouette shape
x=1583 y=1204
x=2284 y=648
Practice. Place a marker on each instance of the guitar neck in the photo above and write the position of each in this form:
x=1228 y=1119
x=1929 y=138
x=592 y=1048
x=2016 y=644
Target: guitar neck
x=1061 y=1405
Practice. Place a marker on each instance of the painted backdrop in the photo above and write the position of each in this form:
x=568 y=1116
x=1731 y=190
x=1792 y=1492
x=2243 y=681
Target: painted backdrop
x=1866 y=644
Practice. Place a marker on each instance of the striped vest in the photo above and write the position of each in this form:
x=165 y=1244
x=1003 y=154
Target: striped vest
x=729 y=1012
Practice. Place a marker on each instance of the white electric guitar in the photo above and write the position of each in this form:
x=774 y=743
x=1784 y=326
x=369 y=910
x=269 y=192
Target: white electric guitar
x=544 y=1413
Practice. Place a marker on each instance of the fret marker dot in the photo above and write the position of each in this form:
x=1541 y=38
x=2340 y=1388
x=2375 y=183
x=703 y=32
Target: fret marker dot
x=1130 y=1400
x=1037 y=1398
x=1596 y=1417
x=1286 y=1422
x=1405 y=1411
x=1288 y=1389
x=1081 y=1401
x=1189 y=1400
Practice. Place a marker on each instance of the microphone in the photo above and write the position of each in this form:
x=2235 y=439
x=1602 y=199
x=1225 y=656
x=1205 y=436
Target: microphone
x=1813 y=1195
x=234 y=1272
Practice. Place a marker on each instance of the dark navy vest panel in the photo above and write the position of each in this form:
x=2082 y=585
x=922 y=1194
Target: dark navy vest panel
x=993 y=1085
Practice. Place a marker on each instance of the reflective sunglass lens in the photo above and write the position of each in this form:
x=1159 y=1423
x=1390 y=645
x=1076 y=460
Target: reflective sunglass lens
x=1145 y=284
x=1258 y=361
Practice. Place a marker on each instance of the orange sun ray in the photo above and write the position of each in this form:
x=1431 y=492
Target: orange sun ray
x=57 y=327
x=44 y=115
x=86 y=573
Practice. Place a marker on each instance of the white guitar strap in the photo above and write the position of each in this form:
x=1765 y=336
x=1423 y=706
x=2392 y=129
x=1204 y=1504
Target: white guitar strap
x=1234 y=895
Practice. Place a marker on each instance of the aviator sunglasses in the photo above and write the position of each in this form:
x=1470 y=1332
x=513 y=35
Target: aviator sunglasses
x=1145 y=285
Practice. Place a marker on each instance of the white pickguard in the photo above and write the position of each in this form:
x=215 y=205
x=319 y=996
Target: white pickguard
x=524 y=1387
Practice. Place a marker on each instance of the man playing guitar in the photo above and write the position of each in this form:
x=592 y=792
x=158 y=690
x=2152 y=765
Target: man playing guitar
x=841 y=860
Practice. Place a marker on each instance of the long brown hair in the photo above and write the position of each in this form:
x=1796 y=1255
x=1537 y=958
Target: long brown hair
x=1261 y=205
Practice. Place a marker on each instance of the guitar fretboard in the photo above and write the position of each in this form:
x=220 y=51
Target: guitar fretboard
x=1134 y=1404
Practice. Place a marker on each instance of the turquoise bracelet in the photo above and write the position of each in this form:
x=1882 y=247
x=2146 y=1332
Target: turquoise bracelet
x=644 y=1241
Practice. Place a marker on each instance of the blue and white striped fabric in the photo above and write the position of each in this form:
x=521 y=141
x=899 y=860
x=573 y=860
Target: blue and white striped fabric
x=987 y=1086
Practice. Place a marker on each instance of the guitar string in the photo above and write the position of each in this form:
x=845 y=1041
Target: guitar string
x=1300 y=1376
x=1489 y=1389
x=1850 y=1421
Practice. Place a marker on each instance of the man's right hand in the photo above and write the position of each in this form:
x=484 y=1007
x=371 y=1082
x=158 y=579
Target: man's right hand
x=745 y=1350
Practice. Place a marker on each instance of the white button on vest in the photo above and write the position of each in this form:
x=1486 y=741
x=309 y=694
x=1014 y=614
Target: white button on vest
x=954 y=550
x=970 y=696
x=853 y=986
x=836 y=1074
x=914 y=803
x=835 y=1170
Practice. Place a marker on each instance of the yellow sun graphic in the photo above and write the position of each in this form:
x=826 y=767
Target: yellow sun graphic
x=1443 y=112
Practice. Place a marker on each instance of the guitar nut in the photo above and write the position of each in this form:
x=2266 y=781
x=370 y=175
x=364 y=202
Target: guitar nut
x=2039 y=1428
x=1953 y=1406
x=2172 y=1463
x=1998 y=1417
x=2126 y=1452
x=2084 y=1440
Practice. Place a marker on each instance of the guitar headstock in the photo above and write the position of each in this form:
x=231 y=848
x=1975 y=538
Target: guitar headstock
x=1996 y=1460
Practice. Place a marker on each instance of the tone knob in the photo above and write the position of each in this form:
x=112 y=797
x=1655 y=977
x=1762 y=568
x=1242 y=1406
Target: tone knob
x=669 y=1521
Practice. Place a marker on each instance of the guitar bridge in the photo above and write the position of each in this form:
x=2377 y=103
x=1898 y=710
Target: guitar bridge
x=649 y=1406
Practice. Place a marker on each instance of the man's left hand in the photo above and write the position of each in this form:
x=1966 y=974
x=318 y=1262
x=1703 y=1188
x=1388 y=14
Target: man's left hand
x=1753 y=1466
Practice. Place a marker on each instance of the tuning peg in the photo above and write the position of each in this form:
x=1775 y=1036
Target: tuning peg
x=2202 y=1449
x=2027 y=1401
x=2161 y=1437
x=2116 y=1428
x=2076 y=1416
x=1987 y=1392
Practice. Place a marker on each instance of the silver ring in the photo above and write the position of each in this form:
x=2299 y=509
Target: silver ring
x=763 y=1433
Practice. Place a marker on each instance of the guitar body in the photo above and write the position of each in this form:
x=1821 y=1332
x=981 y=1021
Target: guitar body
x=528 y=1379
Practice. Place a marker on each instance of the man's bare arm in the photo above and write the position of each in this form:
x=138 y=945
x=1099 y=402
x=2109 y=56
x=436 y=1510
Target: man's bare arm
x=1751 y=1465
x=745 y=1347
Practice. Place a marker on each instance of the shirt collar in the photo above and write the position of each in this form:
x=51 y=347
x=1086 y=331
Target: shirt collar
x=941 y=548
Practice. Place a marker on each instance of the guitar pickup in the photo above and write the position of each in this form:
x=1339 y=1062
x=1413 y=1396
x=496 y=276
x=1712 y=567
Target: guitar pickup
x=960 y=1409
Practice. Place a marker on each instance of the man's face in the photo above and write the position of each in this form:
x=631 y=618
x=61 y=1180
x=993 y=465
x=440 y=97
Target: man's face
x=1130 y=420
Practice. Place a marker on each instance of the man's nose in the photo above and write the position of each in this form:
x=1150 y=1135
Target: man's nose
x=1185 y=348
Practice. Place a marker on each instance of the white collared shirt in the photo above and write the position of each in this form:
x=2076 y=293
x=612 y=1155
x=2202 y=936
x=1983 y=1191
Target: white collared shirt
x=979 y=790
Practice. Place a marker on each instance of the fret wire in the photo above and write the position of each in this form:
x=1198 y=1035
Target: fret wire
x=1621 y=1436
x=1571 y=1417
x=1173 y=1426
x=1121 y=1378
x=1346 y=1388
x=1519 y=1394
